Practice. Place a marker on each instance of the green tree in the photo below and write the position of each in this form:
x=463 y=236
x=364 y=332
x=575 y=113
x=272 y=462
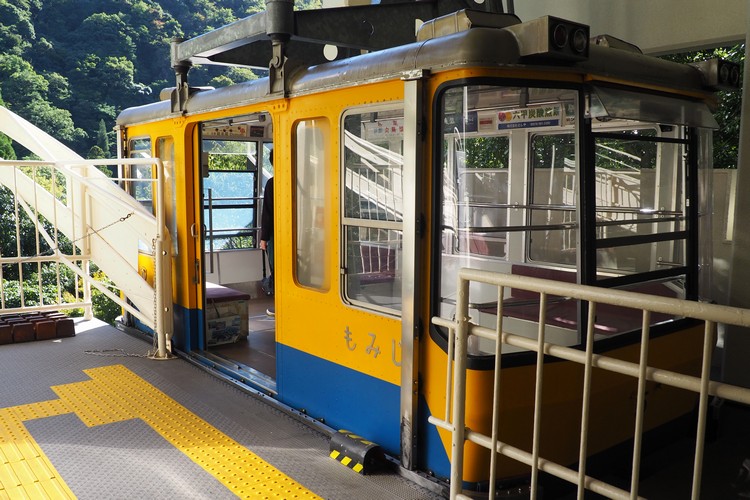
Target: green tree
x=110 y=33
x=96 y=153
x=6 y=148
x=116 y=88
x=26 y=93
x=6 y=144
x=102 y=138
x=17 y=32
x=726 y=138
x=58 y=89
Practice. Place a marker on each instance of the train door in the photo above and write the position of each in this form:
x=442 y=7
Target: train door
x=236 y=164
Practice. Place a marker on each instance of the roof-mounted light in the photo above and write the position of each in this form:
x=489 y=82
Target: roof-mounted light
x=553 y=38
x=615 y=43
x=463 y=20
x=719 y=74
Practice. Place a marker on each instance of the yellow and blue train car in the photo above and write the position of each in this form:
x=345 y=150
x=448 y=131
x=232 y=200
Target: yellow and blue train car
x=528 y=148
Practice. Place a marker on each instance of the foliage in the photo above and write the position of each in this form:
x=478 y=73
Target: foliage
x=12 y=241
x=726 y=138
x=58 y=291
x=228 y=162
x=487 y=152
x=551 y=150
x=239 y=242
x=104 y=308
x=102 y=138
x=51 y=292
x=70 y=66
x=6 y=148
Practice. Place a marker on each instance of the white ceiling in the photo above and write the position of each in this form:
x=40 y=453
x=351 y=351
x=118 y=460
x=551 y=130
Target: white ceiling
x=656 y=26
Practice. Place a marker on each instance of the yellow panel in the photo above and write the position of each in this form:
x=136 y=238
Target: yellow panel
x=364 y=341
x=11 y=452
x=35 y=490
x=56 y=488
x=8 y=477
x=24 y=470
x=41 y=469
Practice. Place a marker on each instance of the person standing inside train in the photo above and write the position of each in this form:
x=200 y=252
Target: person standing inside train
x=266 y=228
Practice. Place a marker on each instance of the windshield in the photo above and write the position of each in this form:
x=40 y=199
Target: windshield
x=512 y=161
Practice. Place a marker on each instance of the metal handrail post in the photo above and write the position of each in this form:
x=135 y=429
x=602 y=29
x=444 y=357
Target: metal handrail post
x=700 y=433
x=459 y=387
x=163 y=304
x=535 y=440
x=640 y=408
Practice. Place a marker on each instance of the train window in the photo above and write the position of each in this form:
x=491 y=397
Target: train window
x=140 y=147
x=165 y=152
x=641 y=191
x=229 y=190
x=481 y=195
x=139 y=186
x=311 y=172
x=641 y=186
x=552 y=212
x=508 y=161
x=372 y=222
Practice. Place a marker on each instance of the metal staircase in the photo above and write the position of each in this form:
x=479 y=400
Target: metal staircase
x=105 y=224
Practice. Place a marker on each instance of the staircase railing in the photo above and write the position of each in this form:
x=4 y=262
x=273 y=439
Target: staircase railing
x=104 y=224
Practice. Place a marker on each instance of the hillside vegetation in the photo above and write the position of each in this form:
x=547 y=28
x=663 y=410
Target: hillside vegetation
x=70 y=66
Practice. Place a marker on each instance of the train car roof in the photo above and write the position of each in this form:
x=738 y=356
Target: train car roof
x=475 y=47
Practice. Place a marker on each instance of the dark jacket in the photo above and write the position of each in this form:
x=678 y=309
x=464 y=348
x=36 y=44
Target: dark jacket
x=266 y=222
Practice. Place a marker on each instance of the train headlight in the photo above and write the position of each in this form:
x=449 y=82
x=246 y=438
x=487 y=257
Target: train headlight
x=719 y=74
x=560 y=36
x=580 y=41
x=552 y=38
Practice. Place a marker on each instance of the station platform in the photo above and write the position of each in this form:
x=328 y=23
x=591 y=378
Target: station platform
x=91 y=416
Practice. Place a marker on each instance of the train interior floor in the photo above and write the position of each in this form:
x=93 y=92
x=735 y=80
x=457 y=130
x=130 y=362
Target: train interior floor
x=258 y=349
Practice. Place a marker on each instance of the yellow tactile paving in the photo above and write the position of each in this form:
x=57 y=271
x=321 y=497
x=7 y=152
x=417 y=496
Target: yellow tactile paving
x=25 y=472
x=114 y=394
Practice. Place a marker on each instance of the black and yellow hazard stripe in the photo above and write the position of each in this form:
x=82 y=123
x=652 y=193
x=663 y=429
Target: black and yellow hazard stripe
x=356 y=452
x=350 y=462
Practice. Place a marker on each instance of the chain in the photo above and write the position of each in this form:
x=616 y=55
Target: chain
x=96 y=231
x=52 y=250
x=114 y=353
x=155 y=343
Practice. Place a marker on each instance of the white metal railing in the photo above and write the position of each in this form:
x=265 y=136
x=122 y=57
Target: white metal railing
x=460 y=329
x=97 y=216
x=104 y=225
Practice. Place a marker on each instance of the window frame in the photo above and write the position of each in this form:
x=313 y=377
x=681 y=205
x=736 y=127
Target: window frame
x=315 y=248
x=348 y=222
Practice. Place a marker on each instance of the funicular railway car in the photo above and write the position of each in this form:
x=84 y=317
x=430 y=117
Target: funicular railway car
x=529 y=148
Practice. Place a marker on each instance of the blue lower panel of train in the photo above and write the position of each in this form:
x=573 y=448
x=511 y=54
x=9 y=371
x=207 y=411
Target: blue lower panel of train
x=351 y=400
x=345 y=398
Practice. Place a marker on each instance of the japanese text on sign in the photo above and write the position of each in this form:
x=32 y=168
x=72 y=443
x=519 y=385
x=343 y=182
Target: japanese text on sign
x=542 y=116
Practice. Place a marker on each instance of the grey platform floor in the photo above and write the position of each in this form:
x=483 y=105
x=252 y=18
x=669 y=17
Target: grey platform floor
x=130 y=460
